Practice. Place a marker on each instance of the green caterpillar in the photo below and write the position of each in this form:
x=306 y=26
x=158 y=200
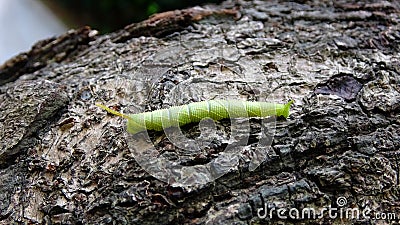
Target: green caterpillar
x=195 y=112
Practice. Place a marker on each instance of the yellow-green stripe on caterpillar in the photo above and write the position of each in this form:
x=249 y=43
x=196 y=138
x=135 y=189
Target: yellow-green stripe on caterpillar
x=194 y=112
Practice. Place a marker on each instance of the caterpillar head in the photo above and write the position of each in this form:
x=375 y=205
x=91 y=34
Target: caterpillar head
x=286 y=109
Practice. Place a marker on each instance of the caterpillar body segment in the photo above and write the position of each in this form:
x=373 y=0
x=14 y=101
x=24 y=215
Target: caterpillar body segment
x=195 y=112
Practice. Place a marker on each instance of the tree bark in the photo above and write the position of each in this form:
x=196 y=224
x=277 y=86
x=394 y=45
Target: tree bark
x=65 y=161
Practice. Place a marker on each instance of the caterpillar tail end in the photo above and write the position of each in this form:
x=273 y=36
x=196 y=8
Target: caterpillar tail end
x=134 y=124
x=286 y=109
x=113 y=111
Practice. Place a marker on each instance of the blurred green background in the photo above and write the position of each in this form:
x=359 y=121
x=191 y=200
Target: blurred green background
x=110 y=15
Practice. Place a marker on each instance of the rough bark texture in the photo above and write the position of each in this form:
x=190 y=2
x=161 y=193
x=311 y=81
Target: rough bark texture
x=65 y=161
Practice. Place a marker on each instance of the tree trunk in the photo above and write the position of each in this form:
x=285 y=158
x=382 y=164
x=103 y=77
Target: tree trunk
x=65 y=161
